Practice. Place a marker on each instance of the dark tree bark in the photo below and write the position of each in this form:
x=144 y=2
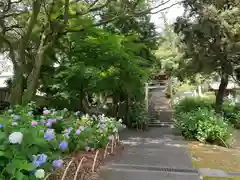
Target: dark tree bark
x=220 y=93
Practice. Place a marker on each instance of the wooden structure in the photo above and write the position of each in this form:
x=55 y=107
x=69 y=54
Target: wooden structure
x=161 y=77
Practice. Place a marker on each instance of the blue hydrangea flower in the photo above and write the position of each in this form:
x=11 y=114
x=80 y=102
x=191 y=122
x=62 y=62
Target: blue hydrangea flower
x=53 y=120
x=57 y=163
x=1 y=126
x=63 y=145
x=30 y=113
x=66 y=135
x=49 y=134
x=39 y=160
x=49 y=123
x=67 y=132
x=16 y=117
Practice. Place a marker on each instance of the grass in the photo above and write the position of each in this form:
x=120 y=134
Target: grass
x=215 y=157
x=215 y=178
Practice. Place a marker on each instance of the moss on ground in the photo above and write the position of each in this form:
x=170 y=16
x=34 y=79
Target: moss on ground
x=215 y=157
x=215 y=178
x=207 y=156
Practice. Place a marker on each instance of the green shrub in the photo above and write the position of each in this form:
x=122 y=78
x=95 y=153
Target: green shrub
x=193 y=103
x=203 y=125
x=232 y=114
x=137 y=117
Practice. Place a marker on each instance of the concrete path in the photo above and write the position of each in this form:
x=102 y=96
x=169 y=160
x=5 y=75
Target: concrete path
x=158 y=154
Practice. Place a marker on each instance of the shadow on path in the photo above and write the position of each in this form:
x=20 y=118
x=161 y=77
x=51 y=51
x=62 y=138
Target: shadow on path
x=158 y=154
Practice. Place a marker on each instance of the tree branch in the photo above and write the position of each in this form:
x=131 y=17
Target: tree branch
x=12 y=14
x=11 y=49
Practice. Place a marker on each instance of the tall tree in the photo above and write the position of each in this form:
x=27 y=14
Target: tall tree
x=29 y=30
x=210 y=33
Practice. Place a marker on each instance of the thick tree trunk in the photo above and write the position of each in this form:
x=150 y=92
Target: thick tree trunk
x=16 y=91
x=220 y=93
x=19 y=69
x=33 y=79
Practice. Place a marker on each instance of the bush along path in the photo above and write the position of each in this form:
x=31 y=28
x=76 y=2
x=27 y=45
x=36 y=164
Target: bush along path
x=57 y=145
x=214 y=144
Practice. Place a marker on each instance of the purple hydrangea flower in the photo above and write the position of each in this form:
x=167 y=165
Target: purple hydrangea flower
x=49 y=134
x=42 y=121
x=49 y=123
x=34 y=123
x=53 y=120
x=63 y=145
x=78 y=131
x=46 y=111
x=103 y=126
x=1 y=126
x=39 y=160
x=57 y=163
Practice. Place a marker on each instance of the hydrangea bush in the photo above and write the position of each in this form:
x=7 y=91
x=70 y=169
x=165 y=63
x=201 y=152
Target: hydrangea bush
x=32 y=146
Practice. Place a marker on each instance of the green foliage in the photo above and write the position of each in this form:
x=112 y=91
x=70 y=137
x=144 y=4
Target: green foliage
x=168 y=56
x=204 y=125
x=232 y=114
x=192 y=104
x=137 y=117
x=209 y=33
x=230 y=111
x=24 y=137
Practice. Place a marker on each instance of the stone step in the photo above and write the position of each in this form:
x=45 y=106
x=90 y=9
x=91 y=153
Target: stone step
x=132 y=174
x=161 y=124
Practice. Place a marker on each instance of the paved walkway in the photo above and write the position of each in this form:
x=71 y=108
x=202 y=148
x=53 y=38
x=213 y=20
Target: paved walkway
x=158 y=154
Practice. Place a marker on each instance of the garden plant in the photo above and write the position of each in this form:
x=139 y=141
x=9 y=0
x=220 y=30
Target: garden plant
x=31 y=146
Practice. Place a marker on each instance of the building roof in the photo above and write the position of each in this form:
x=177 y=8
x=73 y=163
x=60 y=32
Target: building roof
x=231 y=85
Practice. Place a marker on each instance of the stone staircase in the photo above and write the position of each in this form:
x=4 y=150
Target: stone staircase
x=160 y=112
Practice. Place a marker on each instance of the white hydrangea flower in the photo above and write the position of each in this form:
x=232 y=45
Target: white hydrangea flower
x=14 y=123
x=15 y=138
x=40 y=173
x=120 y=120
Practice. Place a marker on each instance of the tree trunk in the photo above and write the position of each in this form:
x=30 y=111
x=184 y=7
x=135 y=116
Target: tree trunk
x=33 y=79
x=18 y=80
x=220 y=93
x=16 y=91
x=199 y=90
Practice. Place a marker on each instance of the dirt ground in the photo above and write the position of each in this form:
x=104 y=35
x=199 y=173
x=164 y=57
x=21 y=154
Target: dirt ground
x=215 y=157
